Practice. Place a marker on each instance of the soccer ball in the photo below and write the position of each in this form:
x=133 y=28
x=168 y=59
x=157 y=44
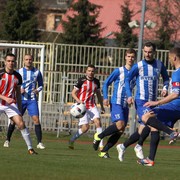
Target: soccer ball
x=78 y=110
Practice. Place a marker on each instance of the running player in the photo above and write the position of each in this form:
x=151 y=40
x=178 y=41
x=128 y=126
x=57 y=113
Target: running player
x=118 y=106
x=84 y=92
x=167 y=113
x=147 y=73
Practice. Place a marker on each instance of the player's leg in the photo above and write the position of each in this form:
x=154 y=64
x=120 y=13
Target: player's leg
x=11 y=127
x=138 y=148
x=83 y=127
x=162 y=118
x=113 y=139
x=10 y=131
x=119 y=118
x=14 y=114
x=33 y=111
x=154 y=142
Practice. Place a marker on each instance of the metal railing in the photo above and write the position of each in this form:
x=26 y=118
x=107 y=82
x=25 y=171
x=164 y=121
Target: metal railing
x=63 y=65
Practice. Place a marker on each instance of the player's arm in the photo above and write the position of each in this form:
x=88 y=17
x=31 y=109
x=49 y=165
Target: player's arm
x=18 y=98
x=107 y=82
x=7 y=99
x=165 y=100
x=165 y=78
x=40 y=83
x=100 y=99
x=132 y=74
x=74 y=95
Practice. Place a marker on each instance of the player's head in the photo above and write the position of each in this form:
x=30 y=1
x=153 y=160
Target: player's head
x=90 y=71
x=28 y=61
x=174 y=57
x=130 y=56
x=149 y=50
x=9 y=62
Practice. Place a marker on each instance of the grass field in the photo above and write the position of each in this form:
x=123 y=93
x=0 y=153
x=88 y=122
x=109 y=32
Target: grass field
x=82 y=163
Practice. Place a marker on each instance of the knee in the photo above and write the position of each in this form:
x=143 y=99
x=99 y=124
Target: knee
x=145 y=118
x=21 y=125
x=97 y=123
x=120 y=125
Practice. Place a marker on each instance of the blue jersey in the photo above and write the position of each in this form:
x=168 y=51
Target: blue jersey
x=30 y=80
x=175 y=87
x=169 y=113
x=119 y=92
x=147 y=79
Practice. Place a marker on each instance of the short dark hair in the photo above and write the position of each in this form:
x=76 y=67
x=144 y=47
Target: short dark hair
x=175 y=51
x=131 y=51
x=91 y=66
x=11 y=55
x=150 y=44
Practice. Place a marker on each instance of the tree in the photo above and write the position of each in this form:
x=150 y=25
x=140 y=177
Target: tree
x=125 y=38
x=167 y=12
x=82 y=28
x=19 y=20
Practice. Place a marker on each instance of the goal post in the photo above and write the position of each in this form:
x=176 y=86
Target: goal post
x=42 y=55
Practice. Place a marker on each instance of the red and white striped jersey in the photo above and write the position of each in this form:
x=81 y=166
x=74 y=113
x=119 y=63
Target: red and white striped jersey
x=86 y=90
x=8 y=84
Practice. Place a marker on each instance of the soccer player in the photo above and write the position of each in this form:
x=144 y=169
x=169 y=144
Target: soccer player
x=147 y=73
x=167 y=110
x=31 y=77
x=118 y=106
x=10 y=98
x=84 y=92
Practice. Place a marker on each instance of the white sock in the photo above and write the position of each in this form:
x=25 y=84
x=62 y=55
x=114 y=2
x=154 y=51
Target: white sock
x=80 y=131
x=27 y=138
x=99 y=130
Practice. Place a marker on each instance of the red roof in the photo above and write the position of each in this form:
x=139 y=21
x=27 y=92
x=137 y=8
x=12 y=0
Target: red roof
x=111 y=12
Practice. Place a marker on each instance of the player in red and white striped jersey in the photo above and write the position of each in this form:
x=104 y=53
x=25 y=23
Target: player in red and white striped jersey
x=10 y=98
x=84 y=92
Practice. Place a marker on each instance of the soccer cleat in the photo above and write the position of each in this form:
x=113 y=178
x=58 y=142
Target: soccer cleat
x=32 y=152
x=103 y=155
x=6 y=143
x=121 y=150
x=145 y=162
x=71 y=145
x=96 y=141
x=173 y=137
x=138 y=151
x=40 y=146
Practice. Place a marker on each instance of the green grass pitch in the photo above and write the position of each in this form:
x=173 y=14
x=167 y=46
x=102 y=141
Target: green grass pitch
x=82 y=163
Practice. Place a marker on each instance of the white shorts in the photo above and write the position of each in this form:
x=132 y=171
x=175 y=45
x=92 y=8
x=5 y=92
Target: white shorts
x=10 y=110
x=90 y=115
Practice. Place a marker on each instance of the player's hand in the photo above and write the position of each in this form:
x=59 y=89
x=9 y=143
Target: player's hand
x=130 y=100
x=106 y=102
x=164 y=93
x=10 y=100
x=35 y=91
x=151 y=103
x=102 y=110
x=22 y=91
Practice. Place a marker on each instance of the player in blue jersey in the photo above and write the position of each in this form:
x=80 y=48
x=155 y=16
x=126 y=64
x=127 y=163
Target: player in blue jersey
x=31 y=77
x=118 y=106
x=167 y=110
x=147 y=73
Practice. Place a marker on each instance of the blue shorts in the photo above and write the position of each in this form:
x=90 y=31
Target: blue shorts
x=31 y=106
x=119 y=113
x=140 y=109
x=167 y=114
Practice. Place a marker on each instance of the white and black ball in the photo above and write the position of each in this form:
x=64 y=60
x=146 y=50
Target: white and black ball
x=78 y=110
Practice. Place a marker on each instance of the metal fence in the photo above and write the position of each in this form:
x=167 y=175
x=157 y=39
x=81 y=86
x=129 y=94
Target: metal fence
x=63 y=65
